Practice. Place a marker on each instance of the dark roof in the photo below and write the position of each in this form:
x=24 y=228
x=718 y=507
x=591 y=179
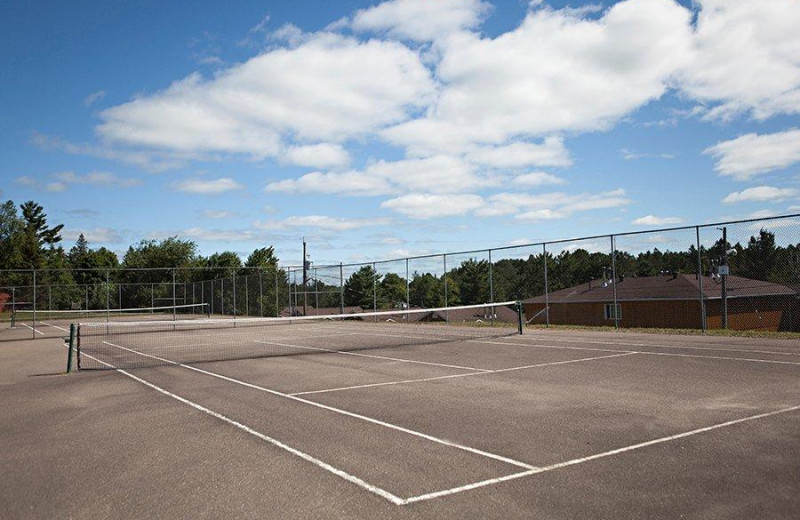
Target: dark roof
x=663 y=287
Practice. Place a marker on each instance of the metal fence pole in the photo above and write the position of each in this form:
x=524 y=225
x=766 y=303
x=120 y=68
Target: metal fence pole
x=700 y=281
x=173 y=296
x=108 y=296
x=546 y=287
x=408 y=290
x=222 y=298
x=33 y=330
x=341 y=287
x=491 y=286
x=444 y=263
x=87 y=297
x=316 y=292
x=49 y=297
x=374 y=289
x=614 y=281
x=260 y=293
x=277 y=298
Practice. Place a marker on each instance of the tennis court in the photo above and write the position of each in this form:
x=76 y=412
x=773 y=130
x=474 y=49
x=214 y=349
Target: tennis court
x=366 y=420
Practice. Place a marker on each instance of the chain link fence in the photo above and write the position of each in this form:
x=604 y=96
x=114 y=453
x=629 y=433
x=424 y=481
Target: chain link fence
x=740 y=276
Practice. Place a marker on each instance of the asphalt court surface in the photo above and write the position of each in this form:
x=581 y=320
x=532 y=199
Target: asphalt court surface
x=550 y=424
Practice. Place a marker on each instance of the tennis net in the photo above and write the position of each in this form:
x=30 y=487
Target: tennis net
x=153 y=343
x=65 y=317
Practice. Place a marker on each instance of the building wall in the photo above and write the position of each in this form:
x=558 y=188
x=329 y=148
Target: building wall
x=773 y=313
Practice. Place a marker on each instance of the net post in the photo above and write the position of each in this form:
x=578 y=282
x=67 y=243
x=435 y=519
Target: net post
x=71 y=347
x=78 y=346
x=519 y=317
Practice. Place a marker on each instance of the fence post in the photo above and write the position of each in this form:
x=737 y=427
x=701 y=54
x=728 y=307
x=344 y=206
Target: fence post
x=277 y=297
x=546 y=287
x=408 y=290
x=260 y=293
x=614 y=281
x=700 y=281
x=374 y=289
x=446 y=314
x=316 y=292
x=491 y=287
x=108 y=296
x=33 y=331
x=341 y=287
x=174 y=317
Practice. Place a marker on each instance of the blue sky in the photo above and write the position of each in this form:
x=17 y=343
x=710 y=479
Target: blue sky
x=380 y=130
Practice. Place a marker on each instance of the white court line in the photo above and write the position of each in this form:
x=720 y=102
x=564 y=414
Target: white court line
x=686 y=347
x=34 y=330
x=395 y=427
x=483 y=483
x=55 y=326
x=345 y=352
x=666 y=354
x=305 y=456
x=462 y=375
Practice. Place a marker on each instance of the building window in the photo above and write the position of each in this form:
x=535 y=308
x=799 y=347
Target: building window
x=613 y=311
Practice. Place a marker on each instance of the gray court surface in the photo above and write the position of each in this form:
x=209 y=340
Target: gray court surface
x=550 y=424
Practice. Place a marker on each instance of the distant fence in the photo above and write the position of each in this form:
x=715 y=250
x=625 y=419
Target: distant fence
x=742 y=275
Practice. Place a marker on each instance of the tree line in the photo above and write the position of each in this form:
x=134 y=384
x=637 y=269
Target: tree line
x=146 y=274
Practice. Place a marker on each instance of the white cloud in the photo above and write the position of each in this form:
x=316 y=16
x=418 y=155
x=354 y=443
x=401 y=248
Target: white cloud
x=97 y=178
x=752 y=154
x=329 y=88
x=761 y=194
x=354 y=183
x=547 y=206
x=746 y=58
x=438 y=174
x=64 y=179
x=94 y=96
x=551 y=152
x=323 y=223
x=321 y=155
x=421 y=20
x=630 y=155
x=652 y=220
x=424 y=206
x=208 y=187
x=537 y=179
x=558 y=71
x=219 y=214
x=98 y=235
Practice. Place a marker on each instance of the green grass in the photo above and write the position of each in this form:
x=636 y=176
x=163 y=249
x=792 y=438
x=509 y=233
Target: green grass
x=684 y=332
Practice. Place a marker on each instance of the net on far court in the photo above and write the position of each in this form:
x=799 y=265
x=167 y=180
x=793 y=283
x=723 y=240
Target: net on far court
x=65 y=317
x=151 y=343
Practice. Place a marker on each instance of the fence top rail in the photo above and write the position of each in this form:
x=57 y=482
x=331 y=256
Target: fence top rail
x=290 y=268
